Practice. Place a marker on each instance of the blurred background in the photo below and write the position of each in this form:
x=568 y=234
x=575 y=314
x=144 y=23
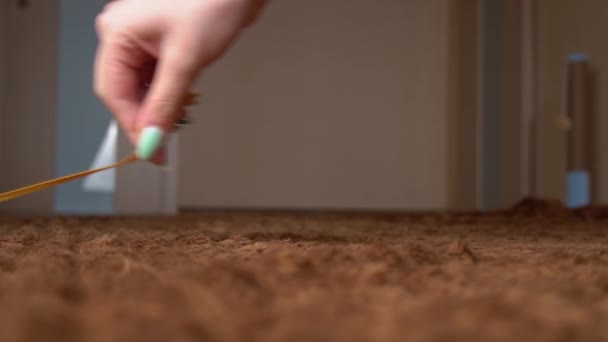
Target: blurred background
x=323 y=105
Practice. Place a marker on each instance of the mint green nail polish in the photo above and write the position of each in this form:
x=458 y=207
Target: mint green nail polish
x=150 y=140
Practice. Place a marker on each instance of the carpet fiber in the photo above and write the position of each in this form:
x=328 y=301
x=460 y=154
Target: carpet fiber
x=535 y=272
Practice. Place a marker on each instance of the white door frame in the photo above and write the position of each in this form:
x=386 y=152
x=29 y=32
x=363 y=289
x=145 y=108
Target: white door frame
x=511 y=111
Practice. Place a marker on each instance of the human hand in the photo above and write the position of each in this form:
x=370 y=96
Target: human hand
x=151 y=52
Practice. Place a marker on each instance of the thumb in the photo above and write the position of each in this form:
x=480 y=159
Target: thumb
x=164 y=104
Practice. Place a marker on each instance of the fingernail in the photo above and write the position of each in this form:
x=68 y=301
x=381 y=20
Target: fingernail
x=150 y=140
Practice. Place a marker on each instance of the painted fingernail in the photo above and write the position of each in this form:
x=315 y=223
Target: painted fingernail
x=150 y=140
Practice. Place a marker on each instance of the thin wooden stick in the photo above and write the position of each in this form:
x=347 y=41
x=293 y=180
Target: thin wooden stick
x=191 y=99
x=46 y=184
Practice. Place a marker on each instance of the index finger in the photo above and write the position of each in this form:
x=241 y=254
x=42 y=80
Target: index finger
x=118 y=81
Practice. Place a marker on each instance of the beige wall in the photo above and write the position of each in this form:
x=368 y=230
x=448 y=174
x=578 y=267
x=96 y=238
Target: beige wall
x=27 y=135
x=350 y=112
x=566 y=27
x=339 y=104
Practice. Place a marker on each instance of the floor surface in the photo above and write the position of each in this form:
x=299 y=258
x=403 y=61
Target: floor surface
x=536 y=272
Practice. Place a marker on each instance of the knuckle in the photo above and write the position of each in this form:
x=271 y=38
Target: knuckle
x=97 y=89
x=101 y=92
x=98 y=85
x=102 y=23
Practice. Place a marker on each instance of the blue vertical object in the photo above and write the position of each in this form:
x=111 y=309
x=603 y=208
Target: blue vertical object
x=82 y=119
x=578 y=57
x=578 y=185
x=578 y=182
